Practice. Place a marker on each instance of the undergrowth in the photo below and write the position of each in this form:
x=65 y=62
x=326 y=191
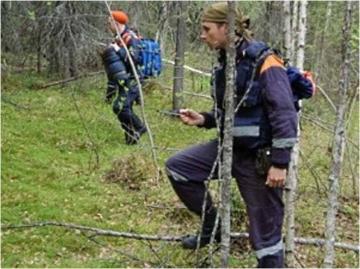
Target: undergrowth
x=64 y=159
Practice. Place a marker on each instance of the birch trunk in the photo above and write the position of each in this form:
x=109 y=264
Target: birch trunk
x=294 y=29
x=302 y=34
x=179 y=57
x=228 y=140
x=338 y=143
x=287 y=29
x=291 y=183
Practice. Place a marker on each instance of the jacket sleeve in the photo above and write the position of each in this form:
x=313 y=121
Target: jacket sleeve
x=280 y=109
x=210 y=118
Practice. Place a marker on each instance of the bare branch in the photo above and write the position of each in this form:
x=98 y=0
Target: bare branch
x=327 y=97
x=170 y=238
x=54 y=83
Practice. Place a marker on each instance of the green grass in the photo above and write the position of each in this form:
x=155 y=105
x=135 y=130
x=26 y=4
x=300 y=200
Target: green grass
x=49 y=172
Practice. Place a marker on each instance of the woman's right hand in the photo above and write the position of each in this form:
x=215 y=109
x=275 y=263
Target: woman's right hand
x=191 y=117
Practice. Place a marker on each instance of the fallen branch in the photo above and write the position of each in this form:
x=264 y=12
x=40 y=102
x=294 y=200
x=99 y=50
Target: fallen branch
x=104 y=232
x=54 y=83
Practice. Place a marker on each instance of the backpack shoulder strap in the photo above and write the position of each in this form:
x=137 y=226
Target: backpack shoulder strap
x=255 y=50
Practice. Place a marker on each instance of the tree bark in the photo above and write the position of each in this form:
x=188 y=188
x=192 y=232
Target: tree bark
x=287 y=29
x=179 y=58
x=228 y=140
x=294 y=27
x=291 y=183
x=338 y=143
x=302 y=34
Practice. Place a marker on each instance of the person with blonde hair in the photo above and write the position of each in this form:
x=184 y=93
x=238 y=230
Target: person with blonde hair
x=264 y=132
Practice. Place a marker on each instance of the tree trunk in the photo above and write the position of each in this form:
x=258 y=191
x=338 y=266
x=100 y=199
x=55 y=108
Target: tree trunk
x=302 y=34
x=39 y=50
x=71 y=42
x=287 y=30
x=294 y=27
x=228 y=140
x=338 y=143
x=291 y=183
x=179 y=58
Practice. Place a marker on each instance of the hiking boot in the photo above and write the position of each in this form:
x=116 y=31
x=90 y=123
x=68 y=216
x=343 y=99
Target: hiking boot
x=190 y=242
x=138 y=134
x=131 y=139
x=142 y=131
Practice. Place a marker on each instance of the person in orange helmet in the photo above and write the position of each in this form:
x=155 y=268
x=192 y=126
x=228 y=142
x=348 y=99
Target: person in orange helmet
x=121 y=78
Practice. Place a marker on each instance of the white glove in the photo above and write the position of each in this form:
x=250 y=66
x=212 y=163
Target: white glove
x=115 y=46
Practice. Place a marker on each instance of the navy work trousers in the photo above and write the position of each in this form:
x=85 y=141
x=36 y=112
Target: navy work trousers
x=187 y=171
x=123 y=108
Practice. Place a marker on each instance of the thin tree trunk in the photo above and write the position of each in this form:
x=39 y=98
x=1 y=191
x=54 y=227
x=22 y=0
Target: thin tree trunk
x=287 y=29
x=228 y=140
x=179 y=58
x=291 y=183
x=302 y=34
x=338 y=143
x=294 y=27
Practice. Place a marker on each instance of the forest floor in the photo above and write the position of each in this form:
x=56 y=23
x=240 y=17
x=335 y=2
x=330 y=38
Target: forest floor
x=64 y=159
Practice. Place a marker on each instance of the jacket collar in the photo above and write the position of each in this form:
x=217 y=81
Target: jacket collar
x=240 y=47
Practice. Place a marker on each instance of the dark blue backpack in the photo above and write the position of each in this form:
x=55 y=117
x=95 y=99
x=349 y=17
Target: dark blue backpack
x=301 y=85
x=301 y=82
x=150 y=58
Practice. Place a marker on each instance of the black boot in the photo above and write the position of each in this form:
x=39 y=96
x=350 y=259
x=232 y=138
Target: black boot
x=130 y=138
x=190 y=242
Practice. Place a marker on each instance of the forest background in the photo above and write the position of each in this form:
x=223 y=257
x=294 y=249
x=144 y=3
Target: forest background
x=63 y=158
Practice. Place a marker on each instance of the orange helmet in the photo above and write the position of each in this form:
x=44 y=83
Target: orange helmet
x=120 y=16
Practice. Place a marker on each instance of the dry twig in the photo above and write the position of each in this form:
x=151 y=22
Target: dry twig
x=169 y=238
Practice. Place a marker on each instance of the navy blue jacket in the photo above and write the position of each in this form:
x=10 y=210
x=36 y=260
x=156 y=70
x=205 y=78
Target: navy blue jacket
x=272 y=106
x=121 y=65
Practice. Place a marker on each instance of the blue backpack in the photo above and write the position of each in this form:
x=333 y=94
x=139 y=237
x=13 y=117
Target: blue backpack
x=150 y=58
x=301 y=83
